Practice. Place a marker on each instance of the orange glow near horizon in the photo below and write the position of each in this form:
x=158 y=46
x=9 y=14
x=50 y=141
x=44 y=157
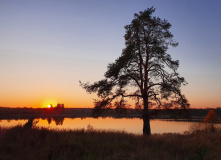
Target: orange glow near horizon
x=49 y=103
x=79 y=98
x=84 y=101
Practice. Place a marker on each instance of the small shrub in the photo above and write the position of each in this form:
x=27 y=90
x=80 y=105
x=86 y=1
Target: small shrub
x=210 y=120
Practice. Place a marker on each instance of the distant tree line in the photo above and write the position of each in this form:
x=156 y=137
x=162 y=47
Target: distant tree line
x=58 y=109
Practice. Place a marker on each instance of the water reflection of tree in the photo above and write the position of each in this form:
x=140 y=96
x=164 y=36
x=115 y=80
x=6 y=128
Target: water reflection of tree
x=57 y=120
x=31 y=122
x=49 y=120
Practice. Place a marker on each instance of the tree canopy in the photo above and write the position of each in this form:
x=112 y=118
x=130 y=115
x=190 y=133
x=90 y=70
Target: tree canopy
x=144 y=72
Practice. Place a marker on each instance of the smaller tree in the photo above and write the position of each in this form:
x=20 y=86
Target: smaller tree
x=211 y=119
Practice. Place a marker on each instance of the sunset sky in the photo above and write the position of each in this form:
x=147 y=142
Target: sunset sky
x=47 y=46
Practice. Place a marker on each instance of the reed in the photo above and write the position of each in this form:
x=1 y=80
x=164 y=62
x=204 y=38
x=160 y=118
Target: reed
x=89 y=144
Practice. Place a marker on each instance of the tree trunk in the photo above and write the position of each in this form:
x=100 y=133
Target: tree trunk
x=146 y=118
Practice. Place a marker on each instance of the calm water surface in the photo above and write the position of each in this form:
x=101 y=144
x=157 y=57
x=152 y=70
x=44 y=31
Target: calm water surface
x=134 y=125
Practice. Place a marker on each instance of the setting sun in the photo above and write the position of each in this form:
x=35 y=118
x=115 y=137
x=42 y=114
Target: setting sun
x=49 y=103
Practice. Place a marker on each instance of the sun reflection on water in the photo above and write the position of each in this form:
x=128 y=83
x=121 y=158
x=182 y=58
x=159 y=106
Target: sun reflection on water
x=134 y=125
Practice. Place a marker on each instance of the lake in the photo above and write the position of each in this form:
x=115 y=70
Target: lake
x=131 y=125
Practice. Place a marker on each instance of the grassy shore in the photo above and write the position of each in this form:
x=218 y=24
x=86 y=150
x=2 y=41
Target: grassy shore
x=39 y=143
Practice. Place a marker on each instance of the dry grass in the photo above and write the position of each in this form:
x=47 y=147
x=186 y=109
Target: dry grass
x=39 y=143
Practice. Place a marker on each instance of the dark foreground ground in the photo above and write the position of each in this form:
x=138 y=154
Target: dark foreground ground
x=42 y=144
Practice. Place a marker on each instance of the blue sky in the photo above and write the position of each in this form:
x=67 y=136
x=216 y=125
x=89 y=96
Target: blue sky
x=47 y=46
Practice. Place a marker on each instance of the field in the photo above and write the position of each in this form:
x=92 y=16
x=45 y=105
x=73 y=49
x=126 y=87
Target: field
x=38 y=143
